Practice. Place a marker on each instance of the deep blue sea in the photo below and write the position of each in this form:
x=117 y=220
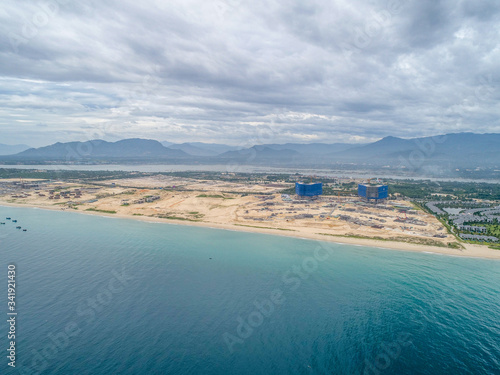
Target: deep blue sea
x=98 y=295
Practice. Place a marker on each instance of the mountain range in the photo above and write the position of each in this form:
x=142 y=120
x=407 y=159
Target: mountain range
x=134 y=148
x=200 y=148
x=457 y=149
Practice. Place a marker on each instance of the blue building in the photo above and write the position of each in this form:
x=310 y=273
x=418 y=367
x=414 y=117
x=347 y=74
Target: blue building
x=373 y=192
x=308 y=190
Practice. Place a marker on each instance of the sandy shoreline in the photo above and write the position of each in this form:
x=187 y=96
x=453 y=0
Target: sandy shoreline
x=470 y=251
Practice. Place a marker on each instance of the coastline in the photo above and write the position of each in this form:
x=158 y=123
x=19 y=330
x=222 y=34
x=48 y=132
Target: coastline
x=470 y=251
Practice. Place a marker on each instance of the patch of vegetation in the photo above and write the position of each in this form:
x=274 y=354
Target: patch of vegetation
x=171 y=217
x=128 y=192
x=196 y=214
x=455 y=245
x=449 y=190
x=213 y=196
x=66 y=175
x=412 y=240
x=493 y=230
x=103 y=211
x=105 y=195
x=255 y=226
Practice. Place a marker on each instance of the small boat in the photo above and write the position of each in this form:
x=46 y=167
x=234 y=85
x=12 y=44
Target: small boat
x=2 y=223
x=18 y=227
x=7 y=218
x=25 y=230
x=14 y=221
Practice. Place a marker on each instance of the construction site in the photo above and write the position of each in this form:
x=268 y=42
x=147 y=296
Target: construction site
x=249 y=203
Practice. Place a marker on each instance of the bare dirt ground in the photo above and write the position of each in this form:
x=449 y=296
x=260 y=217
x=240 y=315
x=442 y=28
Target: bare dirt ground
x=251 y=206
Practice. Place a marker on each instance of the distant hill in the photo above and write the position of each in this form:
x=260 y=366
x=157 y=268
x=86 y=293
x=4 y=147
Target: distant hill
x=98 y=149
x=445 y=152
x=214 y=149
x=383 y=147
x=456 y=148
x=260 y=154
x=191 y=150
x=313 y=148
x=202 y=149
x=218 y=148
x=283 y=152
x=12 y=149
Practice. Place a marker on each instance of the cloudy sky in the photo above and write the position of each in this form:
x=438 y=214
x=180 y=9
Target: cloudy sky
x=239 y=72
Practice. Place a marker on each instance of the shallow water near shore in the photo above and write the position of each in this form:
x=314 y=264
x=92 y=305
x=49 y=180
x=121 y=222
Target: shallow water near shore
x=102 y=296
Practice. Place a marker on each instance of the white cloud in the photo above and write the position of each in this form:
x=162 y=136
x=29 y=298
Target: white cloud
x=217 y=70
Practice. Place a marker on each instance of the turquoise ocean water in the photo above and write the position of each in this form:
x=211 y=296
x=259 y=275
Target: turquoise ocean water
x=101 y=295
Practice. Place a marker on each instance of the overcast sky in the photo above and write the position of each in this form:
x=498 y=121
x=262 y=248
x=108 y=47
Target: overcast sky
x=239 y=72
